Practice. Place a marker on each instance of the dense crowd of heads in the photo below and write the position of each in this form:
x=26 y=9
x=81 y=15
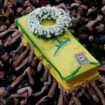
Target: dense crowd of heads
x=24 y=80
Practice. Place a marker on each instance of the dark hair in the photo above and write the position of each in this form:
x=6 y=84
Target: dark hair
x=2 y=50
x=10 y=101
x=83 y=30
x=74 y=8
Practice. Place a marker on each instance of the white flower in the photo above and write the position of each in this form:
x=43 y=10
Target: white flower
x=63 y=20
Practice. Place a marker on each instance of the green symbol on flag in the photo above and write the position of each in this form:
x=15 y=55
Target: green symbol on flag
x=60 y=44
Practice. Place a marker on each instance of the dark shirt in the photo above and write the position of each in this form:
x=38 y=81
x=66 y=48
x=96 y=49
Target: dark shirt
x=3 y=83
x=9 y=70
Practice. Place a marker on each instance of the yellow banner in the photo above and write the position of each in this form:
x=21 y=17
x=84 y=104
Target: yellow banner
x=70 y=61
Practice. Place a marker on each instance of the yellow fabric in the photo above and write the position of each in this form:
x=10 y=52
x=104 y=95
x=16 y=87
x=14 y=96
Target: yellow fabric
x=61 y=54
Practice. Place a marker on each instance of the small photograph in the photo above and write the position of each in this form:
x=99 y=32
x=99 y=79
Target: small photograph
x=81 y=58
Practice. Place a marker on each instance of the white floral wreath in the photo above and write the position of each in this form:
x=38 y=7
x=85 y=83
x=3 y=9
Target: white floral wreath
x=61 y=17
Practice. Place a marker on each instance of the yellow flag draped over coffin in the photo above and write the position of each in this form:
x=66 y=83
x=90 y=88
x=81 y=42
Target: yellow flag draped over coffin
x=61 y=54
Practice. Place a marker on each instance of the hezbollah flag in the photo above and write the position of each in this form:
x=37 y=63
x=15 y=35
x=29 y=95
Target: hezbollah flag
x=70 y=61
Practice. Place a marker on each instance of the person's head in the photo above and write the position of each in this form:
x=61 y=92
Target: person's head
x=100 y=27
x=80 y=10
x=3 y=92
x=13 y=26
x=26 y=3
x=12 y=101
x=2 y=73
x=12 y=1
x=29 y=9
x=73 y=11
x=4 y=54
x=7 y=22
x=78 y=1
x=83 y=33
x=20 y=10
x=83 y=36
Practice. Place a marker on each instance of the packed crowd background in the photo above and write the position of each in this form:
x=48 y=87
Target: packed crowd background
x=24 y=80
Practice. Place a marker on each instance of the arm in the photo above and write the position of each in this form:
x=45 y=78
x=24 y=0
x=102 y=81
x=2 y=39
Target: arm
x=3 y=33
x=45 y=75
x=39 y=67
x=16 y=96
x=76 y=101
x=9 y=11
x=18 y=80
x=71 y=102
x=24 y=90
x=43 y=99
x=21 y=57
x=5 y=3
x=92 y=93
x=34 y=61
x=46 y=83
x=92 y=23
x=7 y=40
x=19 y=48
x=41 y=92
x=31 y=53
x=75 y=97
x=62 y=5
x=52 y=89
x=9 y=43
x=101 y=96
x=31 y=80
x=50 y=93
x=17 y=32
x=22 y=64
x=60 y=101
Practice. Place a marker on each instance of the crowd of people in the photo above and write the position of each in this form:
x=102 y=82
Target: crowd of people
x=24 y=80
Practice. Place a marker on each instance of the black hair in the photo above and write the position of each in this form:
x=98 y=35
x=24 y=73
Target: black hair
x=10 y=101
x=74 y=8
x=83 y=30
x=2 y=50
